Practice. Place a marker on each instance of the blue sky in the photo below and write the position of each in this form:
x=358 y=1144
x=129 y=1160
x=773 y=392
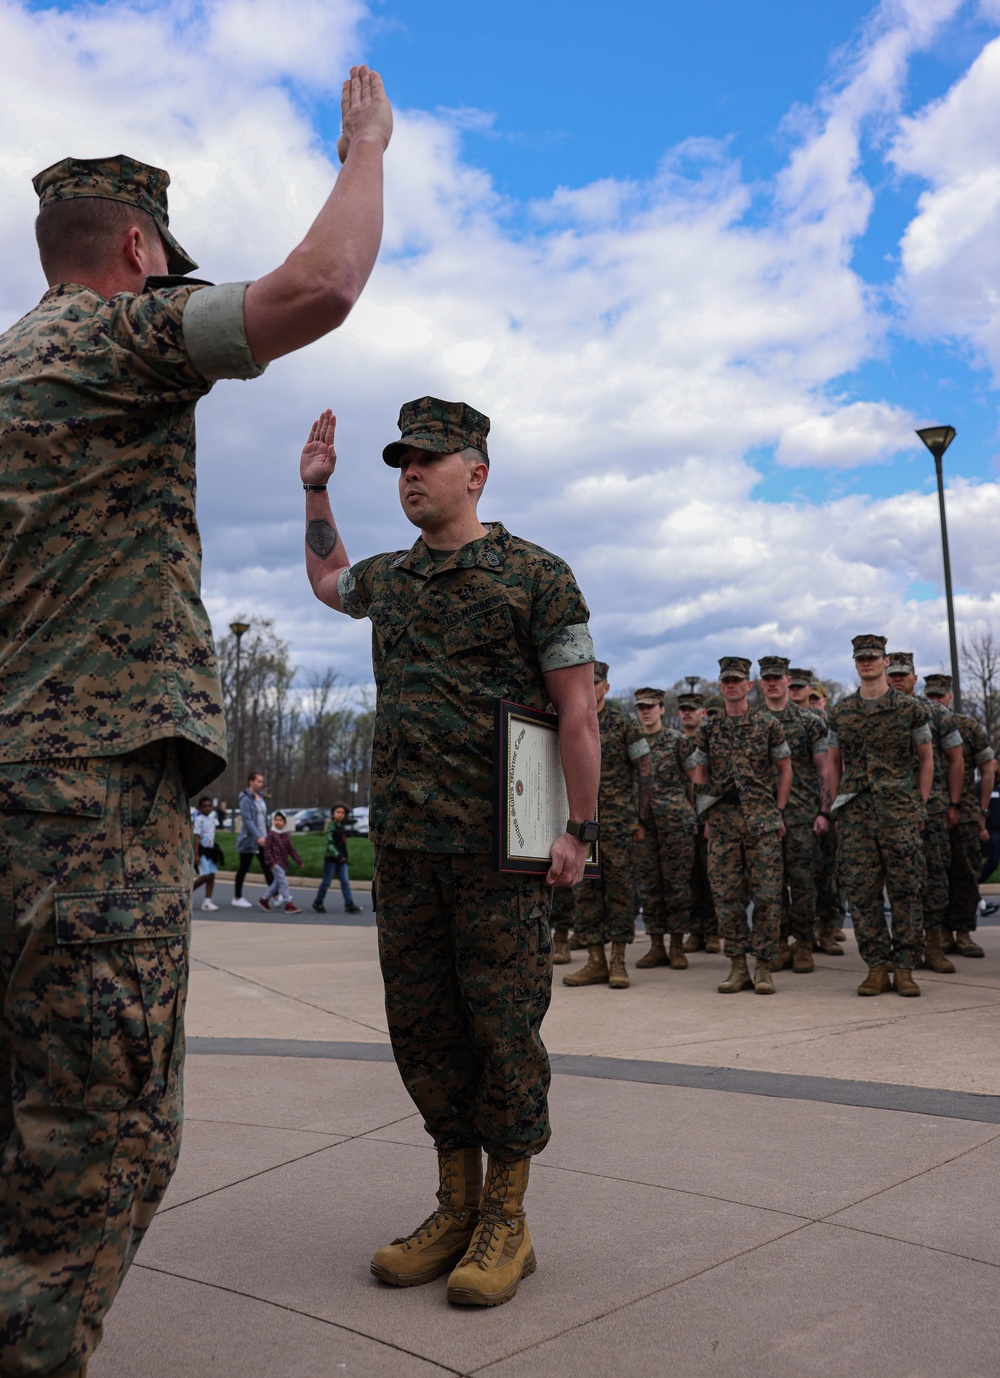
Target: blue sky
x=705 y=267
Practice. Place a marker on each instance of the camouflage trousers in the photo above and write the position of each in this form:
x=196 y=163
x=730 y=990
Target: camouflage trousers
x=467 y=963
x=827 y=895
x=799 y=849
x=703 y=916
x=563 y=911
x=963 y=877
x=745 y=865
x=605 y=908
x=95 y=884
x=664 y=862
x=872 y=857
x=937 y=859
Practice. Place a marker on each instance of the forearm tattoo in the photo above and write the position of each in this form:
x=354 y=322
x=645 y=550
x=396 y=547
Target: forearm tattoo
x=321 y=537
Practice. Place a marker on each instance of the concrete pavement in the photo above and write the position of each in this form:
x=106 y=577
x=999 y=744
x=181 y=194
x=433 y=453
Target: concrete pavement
x=802 y=1185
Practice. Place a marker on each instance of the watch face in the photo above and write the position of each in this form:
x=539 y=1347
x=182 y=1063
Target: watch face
x=590 y=832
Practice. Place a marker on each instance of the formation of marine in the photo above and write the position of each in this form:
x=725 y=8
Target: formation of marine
x=757 y=830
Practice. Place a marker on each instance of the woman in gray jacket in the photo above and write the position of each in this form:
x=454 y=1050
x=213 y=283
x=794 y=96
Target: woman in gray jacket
x=253 y=831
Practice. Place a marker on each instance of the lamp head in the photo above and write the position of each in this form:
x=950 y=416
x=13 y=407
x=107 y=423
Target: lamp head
x=937 y=438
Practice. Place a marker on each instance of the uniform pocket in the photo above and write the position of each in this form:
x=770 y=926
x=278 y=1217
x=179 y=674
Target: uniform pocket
x=116 y=1000
x=77 y=789
x=533 y=979
x=482 y=626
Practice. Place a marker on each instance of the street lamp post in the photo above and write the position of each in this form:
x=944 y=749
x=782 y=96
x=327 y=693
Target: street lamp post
x=937 y=439
x=238 y=629
x=692 y=682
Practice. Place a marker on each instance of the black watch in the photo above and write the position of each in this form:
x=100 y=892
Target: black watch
x=587 y=831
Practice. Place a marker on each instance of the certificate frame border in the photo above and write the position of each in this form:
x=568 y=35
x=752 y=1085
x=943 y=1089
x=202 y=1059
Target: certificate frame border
x=506 y=712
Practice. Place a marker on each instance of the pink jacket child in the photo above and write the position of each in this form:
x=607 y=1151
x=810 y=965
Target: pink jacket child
x=277 y=849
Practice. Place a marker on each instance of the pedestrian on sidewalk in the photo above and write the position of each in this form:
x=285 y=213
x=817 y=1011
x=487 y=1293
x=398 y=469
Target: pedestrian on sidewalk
x=252 y=807
x=207 y=854
x=277 y=849
x=335 y=862
x=469 y=614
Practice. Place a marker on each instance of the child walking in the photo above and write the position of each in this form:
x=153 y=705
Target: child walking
x=335 y=862
x=277 y=849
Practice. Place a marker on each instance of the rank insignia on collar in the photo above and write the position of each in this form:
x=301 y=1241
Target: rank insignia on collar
x=493 y=559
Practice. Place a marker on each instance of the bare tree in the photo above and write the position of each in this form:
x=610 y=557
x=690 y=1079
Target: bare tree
x=980 y=658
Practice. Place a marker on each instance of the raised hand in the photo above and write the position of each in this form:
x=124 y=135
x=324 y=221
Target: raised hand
x=365 y=112
x=319 y=458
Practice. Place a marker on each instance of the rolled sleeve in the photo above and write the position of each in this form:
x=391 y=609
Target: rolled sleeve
x=636 y=750
x=921 y=734
x=215 y=333
x=951 y=740
x=987 y=754
x=570 y=646
x=781 y=751
x=347 y=591
x=697 y=758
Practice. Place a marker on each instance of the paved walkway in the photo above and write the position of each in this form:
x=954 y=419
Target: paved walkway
x=803 y=1185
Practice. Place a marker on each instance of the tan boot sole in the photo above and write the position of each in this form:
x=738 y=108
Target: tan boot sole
x=652 y=959
x=560 y=959
x=428 y=1274
x=466 y=1296
x=619 y=982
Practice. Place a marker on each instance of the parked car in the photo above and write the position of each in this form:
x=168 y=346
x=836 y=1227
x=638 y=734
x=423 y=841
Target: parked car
x=357 y=823
x=311 y=820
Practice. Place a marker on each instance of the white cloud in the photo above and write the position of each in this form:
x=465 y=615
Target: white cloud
x=631 y=349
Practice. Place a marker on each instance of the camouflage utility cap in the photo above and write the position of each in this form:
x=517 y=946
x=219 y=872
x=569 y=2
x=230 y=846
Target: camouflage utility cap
x=444 y=428
x=715 y=705
x=941 y=684
x=900 y=663
x=692 y=700
x=773 y=665
x=868 y=645
x=737 y=667
x=799 y=678
x=601 y=671
x=819 y=689
x=649 y=697
x=115 y=179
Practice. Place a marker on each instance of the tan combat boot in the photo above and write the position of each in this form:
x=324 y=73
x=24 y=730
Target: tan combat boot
x=802 y=957
x=828 y=944
x=560 y=947
x=839 y=936
x=576 y=944
x=694 y=942
x=934 y=958
x=617 y=975
x=657 y=954
x=712 y=943
x=965 y=946
x=594 y=973
x=738 y=979
x=437 y=1245
x=500 y=1253
x=784 y=957
x=905 y=984
x=678 y=961
x=763 y=981
x=877 y=981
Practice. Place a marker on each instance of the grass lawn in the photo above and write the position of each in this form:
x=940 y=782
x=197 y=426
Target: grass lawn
x=310 y=847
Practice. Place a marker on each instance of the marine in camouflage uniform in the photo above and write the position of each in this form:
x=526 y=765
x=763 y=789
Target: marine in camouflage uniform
x=112 y=715
x=829 y=911
x=605 y=908
x=736 y=758
x=879 y=806
x=946 y=742
x=970 y=830
x=666 y=853
x=807 y=813
x=458 y=622
x=703 y=929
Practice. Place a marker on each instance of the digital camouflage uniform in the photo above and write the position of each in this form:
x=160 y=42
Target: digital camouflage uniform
x=738 y=804
x=878 y=808
x=605 y=908
x=966 y=852
x=828 y=910
x=666 y=855
x=111 y=716
x=465 y=951
x=806 y=737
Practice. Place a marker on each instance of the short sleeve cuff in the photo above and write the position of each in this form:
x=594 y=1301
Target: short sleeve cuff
x=571 y=646
x=697 y=758
x=832 y=741
x=779 y=753
x=347 y=592
x=215 y=334
x=636 y=750
x=921 y=734
x=987 y=754
x=952 y=739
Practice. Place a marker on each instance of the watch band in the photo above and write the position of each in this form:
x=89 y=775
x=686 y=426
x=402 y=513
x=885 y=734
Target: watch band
x=314 y=487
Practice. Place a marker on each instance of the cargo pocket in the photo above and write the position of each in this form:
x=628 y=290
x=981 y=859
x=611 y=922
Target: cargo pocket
x=116 y=1000
x=534 y=948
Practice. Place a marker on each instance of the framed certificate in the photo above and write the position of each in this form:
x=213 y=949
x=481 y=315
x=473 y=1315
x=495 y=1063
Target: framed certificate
x=530 y=807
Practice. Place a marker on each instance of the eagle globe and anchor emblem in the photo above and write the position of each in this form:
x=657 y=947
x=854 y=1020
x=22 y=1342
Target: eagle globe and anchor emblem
x=519 y=787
